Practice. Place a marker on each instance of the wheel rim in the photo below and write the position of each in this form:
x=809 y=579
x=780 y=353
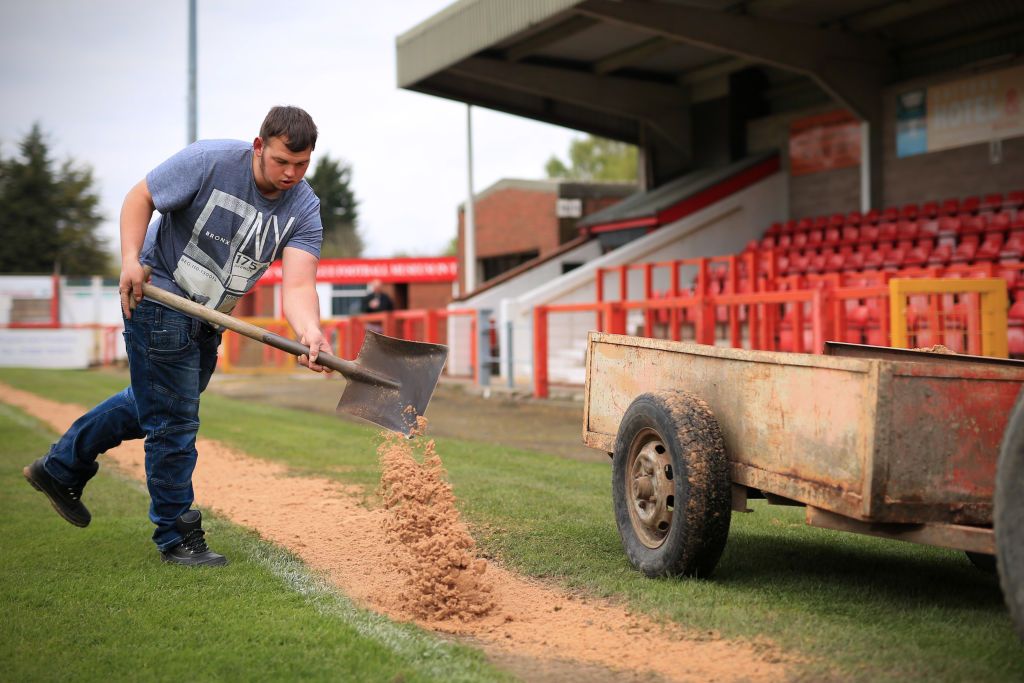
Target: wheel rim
x=650 y=489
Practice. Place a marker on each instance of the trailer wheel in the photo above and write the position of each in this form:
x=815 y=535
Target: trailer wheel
x=1008 y=516
x=670 y=485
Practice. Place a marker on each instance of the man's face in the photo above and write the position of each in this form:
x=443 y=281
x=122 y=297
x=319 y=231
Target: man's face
x=278 y=167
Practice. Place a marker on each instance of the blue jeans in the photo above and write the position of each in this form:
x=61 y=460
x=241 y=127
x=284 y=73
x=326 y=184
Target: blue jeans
x=171 y=358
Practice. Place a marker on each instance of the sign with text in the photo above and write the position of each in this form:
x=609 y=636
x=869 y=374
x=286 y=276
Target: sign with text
x=965 y=112
x=62 y=348
x=824 y=142
x=359 y=271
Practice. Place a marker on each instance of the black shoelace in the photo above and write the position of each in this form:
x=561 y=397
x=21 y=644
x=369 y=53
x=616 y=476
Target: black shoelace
x=194 y=541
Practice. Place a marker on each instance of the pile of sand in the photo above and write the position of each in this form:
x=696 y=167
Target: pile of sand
x=430 y=546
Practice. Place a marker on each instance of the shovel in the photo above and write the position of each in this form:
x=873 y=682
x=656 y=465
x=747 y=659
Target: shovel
x=389 y=383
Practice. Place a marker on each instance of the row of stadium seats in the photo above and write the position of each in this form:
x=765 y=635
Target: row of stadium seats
x=994 y=203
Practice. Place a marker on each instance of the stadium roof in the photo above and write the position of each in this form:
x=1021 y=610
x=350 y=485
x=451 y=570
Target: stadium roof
x=629 y=69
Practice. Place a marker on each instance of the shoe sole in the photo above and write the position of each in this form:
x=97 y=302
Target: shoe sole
x=28 y=477
x=216 y=563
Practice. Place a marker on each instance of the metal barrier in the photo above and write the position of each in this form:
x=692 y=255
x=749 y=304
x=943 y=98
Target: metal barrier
x=345 y=335
x=797 y=320
x=965 y=315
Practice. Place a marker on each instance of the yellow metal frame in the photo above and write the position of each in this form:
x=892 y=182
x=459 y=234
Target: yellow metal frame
x=994 y=303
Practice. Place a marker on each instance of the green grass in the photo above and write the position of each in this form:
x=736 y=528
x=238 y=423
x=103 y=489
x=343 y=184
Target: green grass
x=859 y=608
x=96 y=603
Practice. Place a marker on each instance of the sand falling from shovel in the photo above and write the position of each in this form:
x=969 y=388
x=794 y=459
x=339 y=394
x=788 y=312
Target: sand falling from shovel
x=430 y=545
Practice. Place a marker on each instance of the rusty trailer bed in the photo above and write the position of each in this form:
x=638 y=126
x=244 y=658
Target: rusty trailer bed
x=876 y=440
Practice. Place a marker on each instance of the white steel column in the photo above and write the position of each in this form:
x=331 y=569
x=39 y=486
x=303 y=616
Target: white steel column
x=469 y=227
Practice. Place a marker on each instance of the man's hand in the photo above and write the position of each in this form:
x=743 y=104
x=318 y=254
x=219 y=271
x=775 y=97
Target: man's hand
x=316 y=342
x=130 y=285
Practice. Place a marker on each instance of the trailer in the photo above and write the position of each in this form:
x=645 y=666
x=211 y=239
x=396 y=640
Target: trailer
x=894 y=443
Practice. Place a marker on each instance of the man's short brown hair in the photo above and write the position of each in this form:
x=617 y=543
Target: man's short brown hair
x=292 y=124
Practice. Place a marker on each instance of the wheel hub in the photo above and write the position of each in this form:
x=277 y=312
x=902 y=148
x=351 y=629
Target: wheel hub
x=650 y=488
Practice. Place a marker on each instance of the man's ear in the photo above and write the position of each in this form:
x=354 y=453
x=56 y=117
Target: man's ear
x=257 y=146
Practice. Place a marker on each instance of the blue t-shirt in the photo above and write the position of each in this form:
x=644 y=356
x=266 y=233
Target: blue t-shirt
x=217 y=233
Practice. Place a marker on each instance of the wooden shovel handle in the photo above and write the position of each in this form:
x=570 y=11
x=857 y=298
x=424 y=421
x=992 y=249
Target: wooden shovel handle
x=348 y=368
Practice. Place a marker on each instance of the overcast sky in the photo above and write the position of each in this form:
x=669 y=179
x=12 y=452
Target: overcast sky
x=107 y=80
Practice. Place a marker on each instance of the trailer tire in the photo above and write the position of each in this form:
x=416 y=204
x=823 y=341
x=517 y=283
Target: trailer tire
x=670 y=485
x=1008 y=515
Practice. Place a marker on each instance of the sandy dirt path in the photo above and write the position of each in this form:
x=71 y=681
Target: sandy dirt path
x=535 y=629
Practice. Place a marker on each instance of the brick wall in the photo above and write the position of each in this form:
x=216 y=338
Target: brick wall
x=511 y=220
x=429 y=294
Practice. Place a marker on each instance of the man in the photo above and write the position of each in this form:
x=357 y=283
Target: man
x=376 y=300
x=227 y=210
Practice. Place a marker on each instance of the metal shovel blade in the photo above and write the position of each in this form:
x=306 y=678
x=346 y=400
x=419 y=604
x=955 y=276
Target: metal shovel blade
x=414 y=366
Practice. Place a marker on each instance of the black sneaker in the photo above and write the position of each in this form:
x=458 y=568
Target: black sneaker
x=192 y=551
x=66 y=500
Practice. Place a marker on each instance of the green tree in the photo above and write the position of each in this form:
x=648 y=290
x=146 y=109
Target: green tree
x=339 y=208
x=594 y=158
x=49 y=217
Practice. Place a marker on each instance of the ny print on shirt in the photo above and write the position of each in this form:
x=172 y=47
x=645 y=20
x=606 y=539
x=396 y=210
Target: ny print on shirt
x=218 y=270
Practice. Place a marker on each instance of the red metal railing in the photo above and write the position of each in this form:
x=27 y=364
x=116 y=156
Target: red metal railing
x=345 y=336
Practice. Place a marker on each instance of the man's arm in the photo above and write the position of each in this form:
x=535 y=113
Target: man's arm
x=136 y=211
x=301 y=304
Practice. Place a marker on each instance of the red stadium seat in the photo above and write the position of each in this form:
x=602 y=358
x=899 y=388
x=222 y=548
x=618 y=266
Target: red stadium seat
x=909 y=212
x=949 y=225
x=918 y=256
x=999 y=222
x=871 y=217
x=774 y=230
x=970 y=205
x=893 y=259
x=990 y=248
x=833 y=236
x=784 y=240
x=950 y=207
x=868 y=233
x=820 y=223
x=992 y=203
x=1014 y=201
x=789 y=227
x=850 y=234
x=1013 y=248
x=817 y=262
x=875 y=259
x=804 y=225
x=799 y=240
x=854 y=261
x=929 y=210
x=887 y=232
x=972 y=225
x=815 y=238
x=836 y=261
x=965 y=251
x=853 y=218
x=928 y=227
x=907 y=230
x=941 y=255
